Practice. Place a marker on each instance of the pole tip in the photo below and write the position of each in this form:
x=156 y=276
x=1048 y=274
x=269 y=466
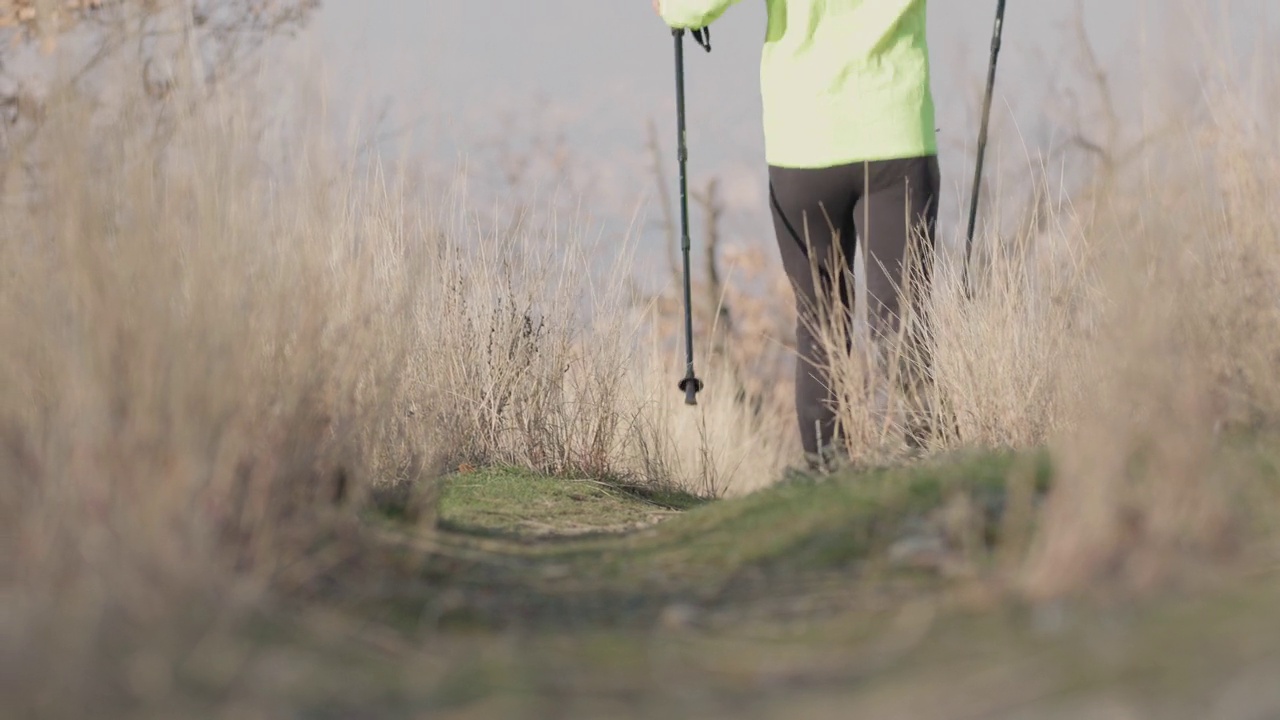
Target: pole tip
x=691 y=387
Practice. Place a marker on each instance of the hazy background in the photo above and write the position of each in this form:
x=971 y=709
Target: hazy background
x=481 y=81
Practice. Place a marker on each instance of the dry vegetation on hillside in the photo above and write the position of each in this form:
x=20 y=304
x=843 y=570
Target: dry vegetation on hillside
x=209 y=361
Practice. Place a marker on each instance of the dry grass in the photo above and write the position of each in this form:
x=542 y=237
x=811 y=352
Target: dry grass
x=218 y=342
x=1135 y=328
x=213 y=350
x=1183 y=358
x=541 y=363
x=203 y=360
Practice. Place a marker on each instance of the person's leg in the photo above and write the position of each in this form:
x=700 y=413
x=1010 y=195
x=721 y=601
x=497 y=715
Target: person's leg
x=812 y=214
x=898 y=216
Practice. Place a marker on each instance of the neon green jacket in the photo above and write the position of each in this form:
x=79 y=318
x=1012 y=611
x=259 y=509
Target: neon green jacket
x=842 y=80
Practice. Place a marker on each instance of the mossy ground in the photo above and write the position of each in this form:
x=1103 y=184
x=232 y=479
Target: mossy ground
x=543 y=597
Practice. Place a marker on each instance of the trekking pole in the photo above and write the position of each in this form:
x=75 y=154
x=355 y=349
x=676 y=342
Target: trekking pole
x=691 y=385
x=982 y=141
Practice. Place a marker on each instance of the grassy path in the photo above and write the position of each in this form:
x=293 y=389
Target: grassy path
x=858 y=596
x=849 y=597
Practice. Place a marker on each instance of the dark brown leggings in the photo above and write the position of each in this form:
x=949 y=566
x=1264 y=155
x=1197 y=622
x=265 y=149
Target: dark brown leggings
x=892 y=205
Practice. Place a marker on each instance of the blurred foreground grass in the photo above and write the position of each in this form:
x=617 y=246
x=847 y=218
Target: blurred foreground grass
x=869 y=594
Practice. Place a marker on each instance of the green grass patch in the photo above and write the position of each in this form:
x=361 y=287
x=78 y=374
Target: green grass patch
x=522 y=505
x=524 y=549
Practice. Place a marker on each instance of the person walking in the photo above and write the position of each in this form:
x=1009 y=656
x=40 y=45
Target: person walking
x=851 y=152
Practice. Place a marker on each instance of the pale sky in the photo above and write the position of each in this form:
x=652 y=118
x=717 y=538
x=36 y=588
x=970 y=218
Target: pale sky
x=449 y=71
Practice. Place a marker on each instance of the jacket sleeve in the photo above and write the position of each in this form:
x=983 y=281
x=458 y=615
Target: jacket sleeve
x=693 y=14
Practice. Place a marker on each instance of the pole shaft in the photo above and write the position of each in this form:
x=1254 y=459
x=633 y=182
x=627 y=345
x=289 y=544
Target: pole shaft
x=690 y=383
x=996 y=37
